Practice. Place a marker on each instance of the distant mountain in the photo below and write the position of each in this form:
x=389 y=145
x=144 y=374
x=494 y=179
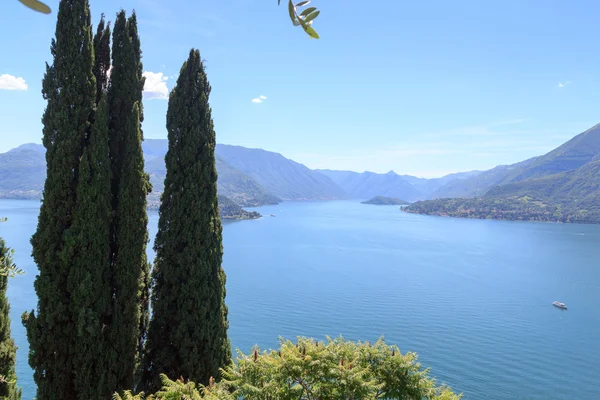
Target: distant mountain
x=368 y=184
x=575 y=153
x=429 y=186
x=232 y=183
x=562 y=185
x=22 y=172
x=240 y=187
x=249 y=177
x=279 y=176
x=579 y=188
x=480 y=183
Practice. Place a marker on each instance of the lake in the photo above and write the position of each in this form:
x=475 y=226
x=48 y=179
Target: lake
x=472 y=297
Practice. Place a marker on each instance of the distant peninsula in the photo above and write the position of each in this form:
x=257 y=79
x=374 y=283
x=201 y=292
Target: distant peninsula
x=385 y=201
x=523 y=208
x=228 y=210
x=231 y=211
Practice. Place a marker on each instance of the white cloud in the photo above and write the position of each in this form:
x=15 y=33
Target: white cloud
x=155 y=86
x=563 y=84
x=259 y=99
x=9 y=82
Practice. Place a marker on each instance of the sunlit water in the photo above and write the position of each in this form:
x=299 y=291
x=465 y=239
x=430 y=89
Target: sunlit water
x=472 y=297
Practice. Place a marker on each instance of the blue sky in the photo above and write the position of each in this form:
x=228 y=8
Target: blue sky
x=424 y=88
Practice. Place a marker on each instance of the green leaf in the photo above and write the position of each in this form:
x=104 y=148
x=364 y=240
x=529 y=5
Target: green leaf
x=303 y=3
x=292 y=10
x=36 y=6
x=312 y=16
x=312 y=33
x=301 y=22
x=308 y=11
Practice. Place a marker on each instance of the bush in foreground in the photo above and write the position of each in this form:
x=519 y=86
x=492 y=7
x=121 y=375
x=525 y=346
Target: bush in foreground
x=311 y=370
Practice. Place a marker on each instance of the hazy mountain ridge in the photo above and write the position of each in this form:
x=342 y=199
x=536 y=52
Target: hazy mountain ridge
x=566 y=177
x=280 y=176
x=256 y=179
x=581 y=187
x=23 y=171
x=479 y=184
x=232 y=183
x=369 y=184
x=562 y=185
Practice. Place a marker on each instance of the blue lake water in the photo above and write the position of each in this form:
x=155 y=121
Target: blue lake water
x=471 y=297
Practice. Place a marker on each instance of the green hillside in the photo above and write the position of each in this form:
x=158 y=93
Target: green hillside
x=479 y=184
x=22 y=172
x=232 y=183
x=279 y=176
x=563 y=185
x=579 y=189
x=231 y=211
x=572 y=155
x=241 y=188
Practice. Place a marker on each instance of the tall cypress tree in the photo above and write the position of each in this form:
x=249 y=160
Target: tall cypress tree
x=130 y=186
x=8 y=351
x=101 y=58
x=188 y=331
x=87 y=250
x=69 y=87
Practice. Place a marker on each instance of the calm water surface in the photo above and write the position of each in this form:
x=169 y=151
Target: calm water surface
x=472 y=297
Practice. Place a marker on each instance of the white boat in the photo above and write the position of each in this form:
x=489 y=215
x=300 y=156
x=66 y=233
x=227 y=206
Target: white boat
x=559 y=305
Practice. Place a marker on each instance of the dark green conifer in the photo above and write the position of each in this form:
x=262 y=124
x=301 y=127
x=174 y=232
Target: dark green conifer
x=188 y=331
x=87 y=250
x=8 y=351
x=130 y=186
x=69 y=87
x=101 y=57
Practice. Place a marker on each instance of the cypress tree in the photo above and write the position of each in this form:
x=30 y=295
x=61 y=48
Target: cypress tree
x=87 y=250
x=101 y=57
x=69 y=87
x=188 y=331
x=130 y=186
x=8 y=351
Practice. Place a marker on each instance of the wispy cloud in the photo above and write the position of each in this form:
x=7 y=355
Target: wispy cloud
x=497 y=128
x=9 y=82
x=259 y=99
x=155 y=86
x=438 y=153
x=563 y=84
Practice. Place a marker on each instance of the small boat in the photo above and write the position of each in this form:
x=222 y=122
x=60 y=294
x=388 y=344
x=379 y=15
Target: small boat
x=559 y=305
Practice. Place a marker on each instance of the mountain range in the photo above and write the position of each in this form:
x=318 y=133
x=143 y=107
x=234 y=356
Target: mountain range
x=249 y=177
x=565 y=178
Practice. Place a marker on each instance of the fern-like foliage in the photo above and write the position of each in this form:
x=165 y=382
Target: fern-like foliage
x=312 y=370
